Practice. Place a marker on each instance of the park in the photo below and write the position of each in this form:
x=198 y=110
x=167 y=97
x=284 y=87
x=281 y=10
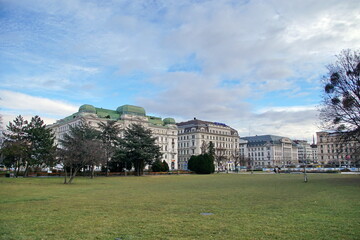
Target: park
x=215 y=206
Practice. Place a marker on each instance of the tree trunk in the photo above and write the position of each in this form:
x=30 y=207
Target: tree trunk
x=92 y=171
x=65 y=180
x=73 y=175
x=107 y=163
x=26 y=172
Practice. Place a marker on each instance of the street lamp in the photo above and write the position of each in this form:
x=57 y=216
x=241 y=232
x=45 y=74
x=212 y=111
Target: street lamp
x=305 y=175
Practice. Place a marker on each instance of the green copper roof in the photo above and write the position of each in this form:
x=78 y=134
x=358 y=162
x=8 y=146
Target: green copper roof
x=105 y=113
x=116 y=115
x=169 y=121
x=87 y=108
x=155 y=120
x=130 y=109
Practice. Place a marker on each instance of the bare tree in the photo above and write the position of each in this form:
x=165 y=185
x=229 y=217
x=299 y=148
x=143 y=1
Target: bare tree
x=239 y=159
x=79 y=148
x=341 y=99
x=204 y=147
x=220 y=158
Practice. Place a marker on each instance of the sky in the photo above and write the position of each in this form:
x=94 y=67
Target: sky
x=253 y=65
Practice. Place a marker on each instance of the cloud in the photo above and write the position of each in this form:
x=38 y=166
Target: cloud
x=242 y=52
x=23 y=104
x=298 y=122
x=188 y=95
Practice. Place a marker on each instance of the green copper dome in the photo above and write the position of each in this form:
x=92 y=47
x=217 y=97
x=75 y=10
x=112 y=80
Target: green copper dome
x=87 y=108
x=169 y=121
x=130 y=109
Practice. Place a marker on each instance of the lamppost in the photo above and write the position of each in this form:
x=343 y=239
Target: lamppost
x=305 y=175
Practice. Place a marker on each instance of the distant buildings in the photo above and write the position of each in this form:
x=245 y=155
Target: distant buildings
x=305 y=153
x=269 y=150
x=195 y=135
x=179 y=141
x=332 y=149
x=165 y=130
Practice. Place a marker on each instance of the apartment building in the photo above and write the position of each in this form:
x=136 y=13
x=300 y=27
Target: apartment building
x=195 y=135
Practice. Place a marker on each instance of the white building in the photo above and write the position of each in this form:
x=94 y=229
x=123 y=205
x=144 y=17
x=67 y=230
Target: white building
x=305 y=152
x=165 y=130
x=270 y=150
x=195 y=135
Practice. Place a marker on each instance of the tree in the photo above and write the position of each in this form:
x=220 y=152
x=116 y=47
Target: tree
x=159 y=166
x=220 y=158
x=341 y=99
x=138 y=147
x=41 y=142
x=28 y=144
x=204 y=147
x=109 y=135
x=201 y=164
x=239 y=159
x=211 y=149
x=79 y=148
x=165 y=166
x=15 y=146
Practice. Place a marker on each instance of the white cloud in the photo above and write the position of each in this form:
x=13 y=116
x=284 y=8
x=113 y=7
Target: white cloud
x=23 y=104
x=264 y=46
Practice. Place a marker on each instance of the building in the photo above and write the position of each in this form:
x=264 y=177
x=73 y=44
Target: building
x=270 y=150
x=165 y=130
x=314 y=152
x=333 y=149
x=305 y=152
x=195 y=135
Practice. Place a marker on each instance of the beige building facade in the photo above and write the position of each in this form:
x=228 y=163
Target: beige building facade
x=332 y=149
x=195 y=135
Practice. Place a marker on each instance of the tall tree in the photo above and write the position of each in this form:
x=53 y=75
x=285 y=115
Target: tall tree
x=341 y=99
x=41 y=143
x=15 y=149
x=138 y=147
x=109 y=135
x=211 y=149
x=79 y=148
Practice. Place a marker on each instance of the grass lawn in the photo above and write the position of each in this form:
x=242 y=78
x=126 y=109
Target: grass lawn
x=169 y=207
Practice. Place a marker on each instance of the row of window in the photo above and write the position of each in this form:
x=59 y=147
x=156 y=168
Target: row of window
x=187 y=137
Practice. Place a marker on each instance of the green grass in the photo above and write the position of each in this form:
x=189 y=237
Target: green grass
x=169 y=207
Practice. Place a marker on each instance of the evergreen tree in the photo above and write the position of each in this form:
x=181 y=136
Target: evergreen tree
x=41 y=141
x=15 y=149
x=109 y=135
x=28 y=144
x=202 y=164
x=211 y=149
x=138 y=147
x=157 y=166
x=165 y=166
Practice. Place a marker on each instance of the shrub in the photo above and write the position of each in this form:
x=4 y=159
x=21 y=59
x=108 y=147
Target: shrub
x=159 y=166
x=202 y=164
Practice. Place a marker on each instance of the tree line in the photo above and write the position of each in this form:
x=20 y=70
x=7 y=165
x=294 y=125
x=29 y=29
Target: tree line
x=30 y=144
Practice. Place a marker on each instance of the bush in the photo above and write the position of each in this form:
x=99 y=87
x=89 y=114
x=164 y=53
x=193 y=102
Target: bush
x=202 y=164
x=159 y=166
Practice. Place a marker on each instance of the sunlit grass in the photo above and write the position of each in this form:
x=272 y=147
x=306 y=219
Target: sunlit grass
x=169 y=207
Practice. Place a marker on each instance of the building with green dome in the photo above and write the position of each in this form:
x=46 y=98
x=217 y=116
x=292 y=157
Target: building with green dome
x=165 y=130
